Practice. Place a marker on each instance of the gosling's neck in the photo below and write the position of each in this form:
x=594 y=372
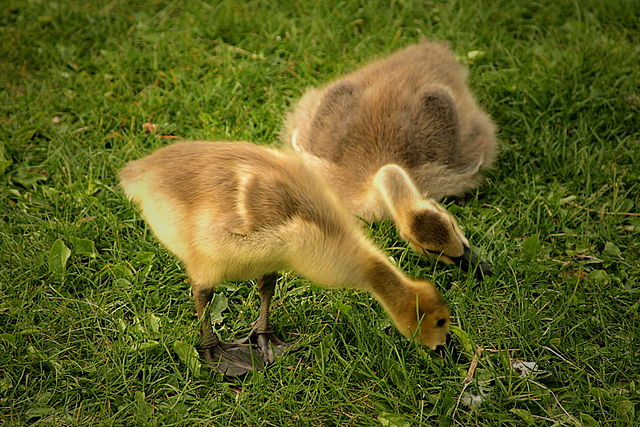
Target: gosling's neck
x=384 y=281
x=347 y=259
x=397 y=190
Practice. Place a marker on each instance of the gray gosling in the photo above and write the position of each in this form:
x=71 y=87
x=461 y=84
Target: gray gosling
x=396 y=136
x=237 y=211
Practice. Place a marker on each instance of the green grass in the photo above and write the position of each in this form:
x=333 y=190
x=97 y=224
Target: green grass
x=91 y=341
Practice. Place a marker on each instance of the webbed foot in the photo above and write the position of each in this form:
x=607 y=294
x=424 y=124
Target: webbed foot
x=234 y=359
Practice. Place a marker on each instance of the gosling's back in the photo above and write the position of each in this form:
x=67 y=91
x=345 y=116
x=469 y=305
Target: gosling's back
x=413 y=109
x=205 y=199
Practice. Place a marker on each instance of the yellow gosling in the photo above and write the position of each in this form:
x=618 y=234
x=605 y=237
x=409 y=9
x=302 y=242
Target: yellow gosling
x=238 y=211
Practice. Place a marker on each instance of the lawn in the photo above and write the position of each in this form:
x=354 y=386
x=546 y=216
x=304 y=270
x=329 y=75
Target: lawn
x=96 y=319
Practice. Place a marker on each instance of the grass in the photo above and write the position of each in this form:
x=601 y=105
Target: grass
x=91 y=307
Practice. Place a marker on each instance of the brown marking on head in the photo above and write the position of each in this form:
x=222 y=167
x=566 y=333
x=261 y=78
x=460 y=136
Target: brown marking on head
x=429 y=226
x=434 y=232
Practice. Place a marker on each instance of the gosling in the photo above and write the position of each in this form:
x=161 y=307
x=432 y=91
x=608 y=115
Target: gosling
x=396 y=136
x=238 y=211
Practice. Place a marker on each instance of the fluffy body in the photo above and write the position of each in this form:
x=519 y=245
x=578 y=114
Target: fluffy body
x=412 y=109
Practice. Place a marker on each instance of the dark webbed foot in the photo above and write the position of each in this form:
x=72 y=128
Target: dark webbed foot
x=268 y=344
x=253 y=353
x=228 y=358
x=261 y=335
x=234 y=359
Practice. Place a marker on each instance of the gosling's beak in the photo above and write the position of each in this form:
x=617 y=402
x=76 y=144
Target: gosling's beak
x=451 y=349
x=469 y=260
x=441 y=349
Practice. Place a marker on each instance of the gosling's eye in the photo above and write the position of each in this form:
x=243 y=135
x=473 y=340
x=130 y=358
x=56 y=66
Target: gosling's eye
x=441 y=322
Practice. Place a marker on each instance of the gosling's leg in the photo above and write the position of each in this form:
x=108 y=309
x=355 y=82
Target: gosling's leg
x=231 y=359
x=261 y=334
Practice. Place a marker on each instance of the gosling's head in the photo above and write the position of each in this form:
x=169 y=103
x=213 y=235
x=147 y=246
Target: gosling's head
x=433 y=231
x=422 y=315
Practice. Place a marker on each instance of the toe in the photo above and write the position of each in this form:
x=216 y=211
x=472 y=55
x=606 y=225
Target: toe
x=265 y=347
